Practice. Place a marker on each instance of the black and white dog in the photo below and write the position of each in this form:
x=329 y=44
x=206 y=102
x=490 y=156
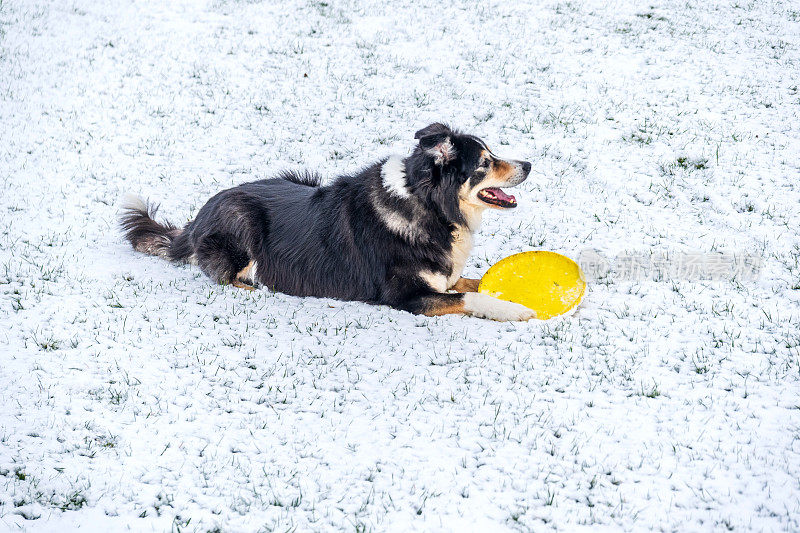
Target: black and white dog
x=397 y=233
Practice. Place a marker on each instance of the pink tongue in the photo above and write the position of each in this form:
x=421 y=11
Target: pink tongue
x=500 y=195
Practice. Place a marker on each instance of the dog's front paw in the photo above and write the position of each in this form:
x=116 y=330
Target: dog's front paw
x=526 y=313
x=486 y=306
x=518 y=312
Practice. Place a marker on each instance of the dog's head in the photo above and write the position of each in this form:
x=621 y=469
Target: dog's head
x=460 y=174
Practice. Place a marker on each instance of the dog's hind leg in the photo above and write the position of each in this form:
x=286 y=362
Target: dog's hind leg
x=241 y=285
x=244 y=275
x=222 y=259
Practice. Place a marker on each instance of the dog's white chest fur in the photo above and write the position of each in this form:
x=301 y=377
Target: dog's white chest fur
x=462 y=246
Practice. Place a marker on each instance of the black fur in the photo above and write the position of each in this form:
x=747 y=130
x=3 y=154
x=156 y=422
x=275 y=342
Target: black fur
x=309 y=239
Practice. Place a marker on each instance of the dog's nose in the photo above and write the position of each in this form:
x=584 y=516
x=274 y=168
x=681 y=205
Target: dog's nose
x=526 y=167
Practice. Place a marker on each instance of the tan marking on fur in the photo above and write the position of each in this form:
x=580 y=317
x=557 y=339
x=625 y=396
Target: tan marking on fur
x=501 y=171
x=466 y=285
x=242 y=285
x=437 y=282
x=443 y=308
x=502 y=174
x=247 y=273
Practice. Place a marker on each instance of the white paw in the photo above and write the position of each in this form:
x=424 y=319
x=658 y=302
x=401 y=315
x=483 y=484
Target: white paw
x=486 y=306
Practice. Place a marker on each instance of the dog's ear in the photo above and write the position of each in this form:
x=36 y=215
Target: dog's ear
x=435 y=141
x=432 y=129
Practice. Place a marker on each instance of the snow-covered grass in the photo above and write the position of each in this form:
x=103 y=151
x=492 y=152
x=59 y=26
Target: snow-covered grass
x=136 y=394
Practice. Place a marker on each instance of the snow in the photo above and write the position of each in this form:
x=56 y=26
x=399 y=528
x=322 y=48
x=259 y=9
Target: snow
x=137 y=395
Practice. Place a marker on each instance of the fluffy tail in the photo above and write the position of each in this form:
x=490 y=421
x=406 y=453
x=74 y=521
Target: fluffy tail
x=303 y=177
x=145 y=234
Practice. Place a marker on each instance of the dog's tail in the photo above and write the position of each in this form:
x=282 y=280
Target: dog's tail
x=148 y=236
x=303 y=177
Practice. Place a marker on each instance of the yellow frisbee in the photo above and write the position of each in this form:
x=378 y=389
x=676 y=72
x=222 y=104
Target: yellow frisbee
x=549 y=283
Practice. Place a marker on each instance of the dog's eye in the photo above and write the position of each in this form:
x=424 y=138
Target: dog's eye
x=485 y=163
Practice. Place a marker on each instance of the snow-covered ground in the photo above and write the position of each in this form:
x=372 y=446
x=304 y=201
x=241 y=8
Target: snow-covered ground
x=136 y=394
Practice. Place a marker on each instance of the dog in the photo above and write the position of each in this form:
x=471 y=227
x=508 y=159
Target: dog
x=397 y=233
